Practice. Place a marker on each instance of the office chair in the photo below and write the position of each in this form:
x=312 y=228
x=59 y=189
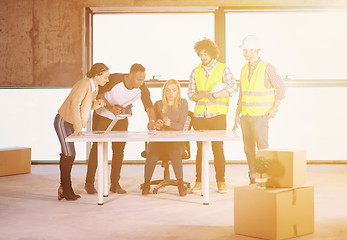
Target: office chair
x=166 y=181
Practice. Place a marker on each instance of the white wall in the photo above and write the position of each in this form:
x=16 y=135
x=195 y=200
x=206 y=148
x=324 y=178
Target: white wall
x=309 y=118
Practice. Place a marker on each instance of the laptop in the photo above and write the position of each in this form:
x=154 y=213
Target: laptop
x=114 y=121
x=126 y=112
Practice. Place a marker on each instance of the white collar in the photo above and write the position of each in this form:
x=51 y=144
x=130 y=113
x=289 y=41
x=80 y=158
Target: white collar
x=92 y=84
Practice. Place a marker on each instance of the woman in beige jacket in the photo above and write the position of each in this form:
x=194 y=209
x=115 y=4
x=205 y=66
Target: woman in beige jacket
x=72 y=117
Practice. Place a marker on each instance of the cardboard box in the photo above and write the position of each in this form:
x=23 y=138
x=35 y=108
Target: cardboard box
x=287 y=167
x=274 y=213
x=15 y=160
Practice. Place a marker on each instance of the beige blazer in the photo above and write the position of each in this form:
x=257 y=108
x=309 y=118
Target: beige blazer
x=76 y=107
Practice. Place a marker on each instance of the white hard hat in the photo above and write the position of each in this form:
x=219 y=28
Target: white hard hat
x=250 y=42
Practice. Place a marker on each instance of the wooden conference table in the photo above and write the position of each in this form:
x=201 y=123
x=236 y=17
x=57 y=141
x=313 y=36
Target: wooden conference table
x=205 y=136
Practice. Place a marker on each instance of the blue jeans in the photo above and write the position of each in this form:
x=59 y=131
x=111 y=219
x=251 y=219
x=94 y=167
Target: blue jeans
x=255 y=131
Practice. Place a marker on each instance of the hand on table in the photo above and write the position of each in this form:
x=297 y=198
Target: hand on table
x=78 y=133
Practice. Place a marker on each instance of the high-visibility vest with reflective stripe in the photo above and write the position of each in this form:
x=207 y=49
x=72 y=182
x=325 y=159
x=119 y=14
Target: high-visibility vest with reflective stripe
x=216 y=76
x=256 y=98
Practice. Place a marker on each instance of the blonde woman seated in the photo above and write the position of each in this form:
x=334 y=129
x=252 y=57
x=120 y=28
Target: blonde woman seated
x=171 y=113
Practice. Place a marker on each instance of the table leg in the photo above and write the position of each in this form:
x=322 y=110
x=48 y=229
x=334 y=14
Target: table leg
x=205 y=173
x=105 y=146
x=100 y=173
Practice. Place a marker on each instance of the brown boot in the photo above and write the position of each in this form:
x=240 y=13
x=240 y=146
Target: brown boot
x=60 y=193
x=65 y=179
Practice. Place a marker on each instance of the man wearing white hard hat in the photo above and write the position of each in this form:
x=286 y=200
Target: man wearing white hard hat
x=210 y=86
x=261 y=91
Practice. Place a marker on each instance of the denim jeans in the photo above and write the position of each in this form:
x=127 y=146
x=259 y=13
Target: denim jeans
x=255 y=131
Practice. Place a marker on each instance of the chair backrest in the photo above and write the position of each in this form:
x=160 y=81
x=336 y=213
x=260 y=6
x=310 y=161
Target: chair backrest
x=187 y=126
x=188 y=123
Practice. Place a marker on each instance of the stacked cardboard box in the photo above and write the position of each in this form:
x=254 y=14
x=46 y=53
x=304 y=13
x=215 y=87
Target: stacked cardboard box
x=15 y=160
x=286 y=208
x=287 y=167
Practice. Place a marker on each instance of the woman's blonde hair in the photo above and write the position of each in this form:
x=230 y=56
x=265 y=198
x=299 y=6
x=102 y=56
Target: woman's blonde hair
x=177 y=100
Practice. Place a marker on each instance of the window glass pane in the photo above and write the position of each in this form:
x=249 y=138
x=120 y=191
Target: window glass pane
x=163 y=43
x=317 y=125
x=301 y=45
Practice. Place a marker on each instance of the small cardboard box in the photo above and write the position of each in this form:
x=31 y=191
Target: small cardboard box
x=287 y=167
x=274 y=213
x=15 y=160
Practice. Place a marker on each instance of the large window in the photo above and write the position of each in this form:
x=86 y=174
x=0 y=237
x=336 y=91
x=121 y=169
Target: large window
x=301 y=45
x=162 y=42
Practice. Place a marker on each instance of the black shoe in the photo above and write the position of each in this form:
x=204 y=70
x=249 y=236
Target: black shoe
x=90 y=189
x=117 y=189
x=146 y=187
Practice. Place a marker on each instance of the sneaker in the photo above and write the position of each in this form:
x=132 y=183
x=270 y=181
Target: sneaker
x=90 y=189
x=117 y=189
x=222 y=188
x=196 y=188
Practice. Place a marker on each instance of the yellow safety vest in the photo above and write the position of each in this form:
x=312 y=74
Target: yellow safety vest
x=256 y=98
x=216 y=76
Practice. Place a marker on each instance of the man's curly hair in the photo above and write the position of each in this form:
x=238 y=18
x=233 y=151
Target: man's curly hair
x=210 y=47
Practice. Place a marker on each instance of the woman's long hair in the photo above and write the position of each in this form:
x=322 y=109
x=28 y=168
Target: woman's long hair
x=177 y=101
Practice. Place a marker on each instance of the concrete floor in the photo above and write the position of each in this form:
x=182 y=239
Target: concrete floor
x=29 y=208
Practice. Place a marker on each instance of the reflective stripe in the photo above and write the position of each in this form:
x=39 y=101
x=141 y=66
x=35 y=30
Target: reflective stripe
x=257 y=104
x=257 y=100
x=205 y=85
x=258 y=94
x=201 y=103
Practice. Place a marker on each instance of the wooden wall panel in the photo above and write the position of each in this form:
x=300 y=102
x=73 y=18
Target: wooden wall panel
x=41 y=42
x=15 y=45
x=58 y=43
